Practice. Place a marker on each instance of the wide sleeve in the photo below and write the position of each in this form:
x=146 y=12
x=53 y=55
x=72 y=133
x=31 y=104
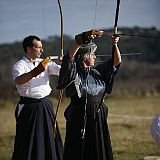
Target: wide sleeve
x=108 y=72
x=18 y=69
x=53 y=68
x=67 y=72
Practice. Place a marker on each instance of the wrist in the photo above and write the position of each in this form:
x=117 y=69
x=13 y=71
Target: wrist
x=116 y=44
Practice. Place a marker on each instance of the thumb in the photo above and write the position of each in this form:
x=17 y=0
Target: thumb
x=45 y=61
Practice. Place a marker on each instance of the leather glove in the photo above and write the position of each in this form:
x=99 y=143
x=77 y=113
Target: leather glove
x=40 y=68
x=96 y=33
x=87 y=36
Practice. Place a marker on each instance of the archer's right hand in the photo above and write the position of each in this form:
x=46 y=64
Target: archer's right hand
x=40 y=68
x=87 y=36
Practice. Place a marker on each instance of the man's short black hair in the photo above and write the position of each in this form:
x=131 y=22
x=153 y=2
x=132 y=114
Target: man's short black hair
x=28 y=42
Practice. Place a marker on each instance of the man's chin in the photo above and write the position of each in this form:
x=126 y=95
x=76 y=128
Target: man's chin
x=38 y=56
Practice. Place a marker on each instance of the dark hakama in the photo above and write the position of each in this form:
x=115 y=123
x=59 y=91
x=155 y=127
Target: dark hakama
x=34 y=132
x=96 y=144
x=94 y=83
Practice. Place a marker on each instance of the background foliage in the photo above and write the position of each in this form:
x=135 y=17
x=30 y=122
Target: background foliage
x=139 y=74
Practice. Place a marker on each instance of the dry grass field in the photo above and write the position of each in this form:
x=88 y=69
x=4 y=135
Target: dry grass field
x=129 y=121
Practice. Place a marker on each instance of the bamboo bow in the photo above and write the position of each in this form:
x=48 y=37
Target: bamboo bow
x=115 y=27
x=61 y=54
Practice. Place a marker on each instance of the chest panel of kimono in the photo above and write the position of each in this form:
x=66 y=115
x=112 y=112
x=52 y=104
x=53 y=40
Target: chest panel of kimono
x=92 y=85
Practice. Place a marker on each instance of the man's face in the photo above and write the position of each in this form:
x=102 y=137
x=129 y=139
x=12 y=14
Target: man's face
x=36 y=50
x=89 y=59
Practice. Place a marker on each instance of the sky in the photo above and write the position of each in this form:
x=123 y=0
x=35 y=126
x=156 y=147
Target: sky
x=20 y=18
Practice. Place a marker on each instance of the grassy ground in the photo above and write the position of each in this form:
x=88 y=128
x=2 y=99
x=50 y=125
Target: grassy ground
x=129 y=121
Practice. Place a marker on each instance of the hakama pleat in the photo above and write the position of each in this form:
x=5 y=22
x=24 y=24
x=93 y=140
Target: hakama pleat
x=96 y=144
x=34 y=132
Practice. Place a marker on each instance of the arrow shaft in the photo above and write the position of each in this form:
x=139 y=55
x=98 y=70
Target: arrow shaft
x=132 y=35
x=123 y=54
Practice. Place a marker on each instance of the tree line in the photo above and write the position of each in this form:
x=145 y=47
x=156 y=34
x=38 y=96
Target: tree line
x=139 y=73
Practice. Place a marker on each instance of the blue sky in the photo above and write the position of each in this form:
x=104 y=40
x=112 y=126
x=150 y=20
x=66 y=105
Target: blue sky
x=20 y=18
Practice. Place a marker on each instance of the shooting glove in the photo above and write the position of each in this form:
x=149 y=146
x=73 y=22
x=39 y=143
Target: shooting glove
x=87 y=36
x=40 y=68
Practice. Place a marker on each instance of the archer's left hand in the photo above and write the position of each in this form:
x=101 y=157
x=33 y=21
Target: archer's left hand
x=59 y=60
x=115 y=39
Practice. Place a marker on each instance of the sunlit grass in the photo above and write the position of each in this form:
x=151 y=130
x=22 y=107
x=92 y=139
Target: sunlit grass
x=129 y=121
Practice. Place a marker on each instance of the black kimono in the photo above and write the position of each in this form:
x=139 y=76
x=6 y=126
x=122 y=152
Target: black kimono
x=87 y=134
x=34 y=131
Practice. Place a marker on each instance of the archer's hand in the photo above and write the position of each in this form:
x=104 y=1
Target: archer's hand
x=115 y=39
x=40 y=68
x=87 y=36
x=96 y=33
x=59 y=60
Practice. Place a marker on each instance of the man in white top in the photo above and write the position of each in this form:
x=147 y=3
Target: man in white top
x=34 y=112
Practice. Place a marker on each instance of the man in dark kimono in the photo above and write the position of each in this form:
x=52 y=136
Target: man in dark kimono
x=87 y=134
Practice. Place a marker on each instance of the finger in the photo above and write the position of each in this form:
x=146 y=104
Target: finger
x=97 y=32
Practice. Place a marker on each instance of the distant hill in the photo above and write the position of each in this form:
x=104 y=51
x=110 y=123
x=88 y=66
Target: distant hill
x=144 y=67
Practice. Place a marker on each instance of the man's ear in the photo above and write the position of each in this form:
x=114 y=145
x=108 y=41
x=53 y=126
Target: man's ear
x=29 y=49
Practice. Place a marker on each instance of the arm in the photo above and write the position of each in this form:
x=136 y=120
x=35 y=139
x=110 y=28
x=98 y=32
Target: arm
x=107 y=69
x=68 y=67
x=68 y=70
x=73 y=50
x=24 y=78
x=81 y=39
x=117 y=55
